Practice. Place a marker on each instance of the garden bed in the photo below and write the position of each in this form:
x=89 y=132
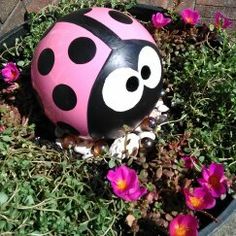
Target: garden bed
x=48 y=190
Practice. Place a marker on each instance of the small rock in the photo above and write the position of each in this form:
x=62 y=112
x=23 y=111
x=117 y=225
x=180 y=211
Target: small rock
x=84 y=149
x=147 y=134
x=159 y=103
x=155 y=113
x=163 y=108
x=125 y=146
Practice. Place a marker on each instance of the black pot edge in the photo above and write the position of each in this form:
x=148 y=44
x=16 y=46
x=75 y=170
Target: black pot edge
x=222 y=218
x=23 y=30
x=142 y=7
x=9 y=37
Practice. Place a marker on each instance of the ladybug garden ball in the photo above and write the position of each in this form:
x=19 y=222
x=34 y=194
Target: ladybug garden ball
x=96 y=70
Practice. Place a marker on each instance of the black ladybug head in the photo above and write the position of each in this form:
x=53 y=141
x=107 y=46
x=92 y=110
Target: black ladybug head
x=126 y=89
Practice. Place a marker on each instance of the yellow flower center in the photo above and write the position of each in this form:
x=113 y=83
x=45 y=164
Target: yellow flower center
x=121 y=184
x=195 y=201
x=181 y=230
x=189 y=20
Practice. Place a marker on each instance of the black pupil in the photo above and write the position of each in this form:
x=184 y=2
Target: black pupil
x=145 y=72
x=132 y=84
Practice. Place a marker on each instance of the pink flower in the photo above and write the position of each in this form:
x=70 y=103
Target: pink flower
x=10 y=72
x=159 y=20
x=214 y=179
x=190 y=16
x=2 y=128
x=125 y=183
x=199 y=199
x=189 y=161
x=183 y=225
x=221 y=21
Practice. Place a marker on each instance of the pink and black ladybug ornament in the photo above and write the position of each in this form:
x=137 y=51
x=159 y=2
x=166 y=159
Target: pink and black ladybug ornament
x=96 y=70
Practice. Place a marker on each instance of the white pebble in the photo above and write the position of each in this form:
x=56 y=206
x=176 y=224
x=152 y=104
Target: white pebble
x=83 y=150
x=58 y=143
x=155 y=113
x=125 y=146
x=147 y=134
x=159 y=103
x=163 y=108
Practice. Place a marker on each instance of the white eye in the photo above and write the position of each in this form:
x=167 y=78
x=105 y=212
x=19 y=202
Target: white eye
x=149 y=67
x=122 y=89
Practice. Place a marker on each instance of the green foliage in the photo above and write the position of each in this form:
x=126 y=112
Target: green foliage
x=204 y=88
x=44 y=191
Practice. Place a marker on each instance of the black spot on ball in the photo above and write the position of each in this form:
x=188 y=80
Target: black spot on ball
x=64 y=97
x=82 y=50
x=46 y=61
x=118 y=16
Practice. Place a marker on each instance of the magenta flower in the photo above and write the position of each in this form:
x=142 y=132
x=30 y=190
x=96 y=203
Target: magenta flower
x=189 y=161
x=125 y=183
x=221 y=21
x=199 y=198
x=2 y=128
x=183 y=225
x=159 y=20
x=190 y=16
x=214 y=179
x=10 y=72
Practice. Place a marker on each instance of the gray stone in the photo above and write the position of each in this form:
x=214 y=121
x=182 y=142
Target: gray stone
x=15 y=19
x=6 y=8
x=228 y=228
x=36 y=6
x=207 y=11
x=225 y=3
x=159 y=3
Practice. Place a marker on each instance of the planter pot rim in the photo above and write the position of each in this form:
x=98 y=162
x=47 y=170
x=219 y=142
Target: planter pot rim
x=223 y=218
x=147 y=10
x=9 y=37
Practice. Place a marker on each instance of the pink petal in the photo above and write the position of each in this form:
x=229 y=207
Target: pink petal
x=227 y=23
x=167 y=21
x=133 y=190
x=6 y=72
x=159 y=17
x=202 y=181
x=222 y=21
x=218 y=191
x=202 y=193
x=137 y=193
x=10 y=72
x=199 y=192
x=205 y=173
x=189 y=14
x=187 y=220
x=217 y=17
x=216 y=169
x=112 y=175
x=159 y=20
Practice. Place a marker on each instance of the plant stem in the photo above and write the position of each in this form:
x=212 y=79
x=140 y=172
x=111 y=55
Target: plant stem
x=209 y=215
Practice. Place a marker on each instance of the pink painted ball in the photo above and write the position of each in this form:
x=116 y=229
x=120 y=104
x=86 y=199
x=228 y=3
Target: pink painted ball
x=96 y=70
